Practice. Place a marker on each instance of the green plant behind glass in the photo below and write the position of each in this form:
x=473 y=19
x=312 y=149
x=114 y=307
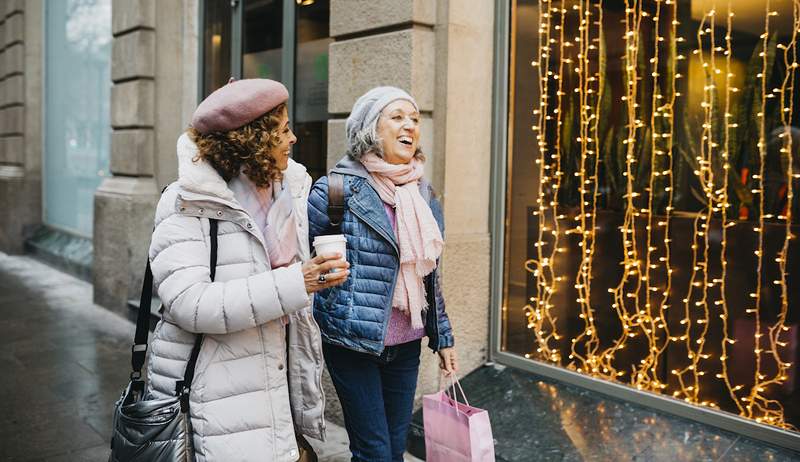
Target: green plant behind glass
x=688 y=193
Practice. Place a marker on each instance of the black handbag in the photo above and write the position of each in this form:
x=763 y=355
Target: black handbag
x=155 y=430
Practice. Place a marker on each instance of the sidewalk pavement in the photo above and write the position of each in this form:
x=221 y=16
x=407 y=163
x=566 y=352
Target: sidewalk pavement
x=64 y=362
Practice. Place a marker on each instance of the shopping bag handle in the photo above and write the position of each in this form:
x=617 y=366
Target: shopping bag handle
x=456 y=386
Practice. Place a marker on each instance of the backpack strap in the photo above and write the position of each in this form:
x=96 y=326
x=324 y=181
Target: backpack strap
x=335 y=199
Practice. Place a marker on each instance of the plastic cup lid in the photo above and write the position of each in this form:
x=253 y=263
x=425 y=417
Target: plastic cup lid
x=331 y=238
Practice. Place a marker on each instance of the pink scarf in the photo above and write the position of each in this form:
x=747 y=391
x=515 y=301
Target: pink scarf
x=273 y=211
x=418 y=236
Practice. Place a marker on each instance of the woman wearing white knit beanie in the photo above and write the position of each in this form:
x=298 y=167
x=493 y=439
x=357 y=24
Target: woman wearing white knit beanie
x=372 y=325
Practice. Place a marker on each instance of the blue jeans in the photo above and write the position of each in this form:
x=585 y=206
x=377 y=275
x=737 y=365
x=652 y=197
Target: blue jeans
x=377 y=396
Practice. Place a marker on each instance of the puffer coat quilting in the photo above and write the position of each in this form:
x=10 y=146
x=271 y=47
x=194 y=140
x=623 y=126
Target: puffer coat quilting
x=255 y=379
x=356 y=314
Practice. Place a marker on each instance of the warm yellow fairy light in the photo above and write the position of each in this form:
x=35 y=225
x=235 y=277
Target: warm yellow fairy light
x=726 y=339
x=657 y=331
x=758 y=405
x=588 y=338
x=689 y=377
x=539 y=315
x=628 y=315
x=787 y=113
x=755 y=391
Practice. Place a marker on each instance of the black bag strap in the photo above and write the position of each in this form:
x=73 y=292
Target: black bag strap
x=139 y=349
x=182 y=387
x=335 y=199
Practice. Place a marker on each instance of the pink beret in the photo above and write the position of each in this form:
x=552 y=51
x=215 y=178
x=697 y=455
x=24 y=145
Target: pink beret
x=238 y=103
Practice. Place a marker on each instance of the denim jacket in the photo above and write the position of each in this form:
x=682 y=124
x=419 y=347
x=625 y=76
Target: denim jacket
x=356 y=314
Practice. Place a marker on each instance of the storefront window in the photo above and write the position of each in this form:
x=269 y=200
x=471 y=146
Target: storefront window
x=77 y=123
x=652 y=198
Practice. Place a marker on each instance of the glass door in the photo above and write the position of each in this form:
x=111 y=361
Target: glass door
x=217 y=30
x=312 y=37
x=284 y=40
x=262 y=39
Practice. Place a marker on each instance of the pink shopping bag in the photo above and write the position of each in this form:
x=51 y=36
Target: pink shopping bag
x=454 y=431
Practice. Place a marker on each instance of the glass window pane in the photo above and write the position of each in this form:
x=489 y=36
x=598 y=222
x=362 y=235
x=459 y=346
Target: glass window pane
x=651 y=199
x=77 y=124
x=311 y=85
x=262 y=39
x=216 y=44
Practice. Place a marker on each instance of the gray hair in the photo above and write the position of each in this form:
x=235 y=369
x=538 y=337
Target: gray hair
x=365 y=141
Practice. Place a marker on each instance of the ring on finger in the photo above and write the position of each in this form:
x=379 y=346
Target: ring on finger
x=322 y=279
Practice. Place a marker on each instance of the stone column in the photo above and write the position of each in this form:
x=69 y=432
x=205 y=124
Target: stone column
x=20 y=120
x=463 y=127
x=380 y=42
x=442 y=53
x=152 y=87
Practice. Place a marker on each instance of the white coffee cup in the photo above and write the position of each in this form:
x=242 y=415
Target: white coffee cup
x=334 y=243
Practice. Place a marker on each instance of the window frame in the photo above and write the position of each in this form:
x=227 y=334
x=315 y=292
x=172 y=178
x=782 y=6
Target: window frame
x=501 y=131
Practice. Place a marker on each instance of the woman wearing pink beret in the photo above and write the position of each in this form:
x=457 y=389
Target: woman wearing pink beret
x=257 y=382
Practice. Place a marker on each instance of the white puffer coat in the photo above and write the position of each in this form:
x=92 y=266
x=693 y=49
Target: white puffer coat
x=255 y=379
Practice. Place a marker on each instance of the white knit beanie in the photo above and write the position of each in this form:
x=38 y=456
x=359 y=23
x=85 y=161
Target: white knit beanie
x=369 y=105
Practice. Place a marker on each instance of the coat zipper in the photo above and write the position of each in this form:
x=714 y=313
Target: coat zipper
x=187 y=434
x=394 y=279
x=318 y=375
x=379 y=231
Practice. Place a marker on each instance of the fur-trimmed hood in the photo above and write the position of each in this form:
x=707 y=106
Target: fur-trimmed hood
x=199 y=176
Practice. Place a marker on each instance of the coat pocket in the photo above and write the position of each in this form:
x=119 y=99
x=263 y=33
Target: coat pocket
x=208 y=351
x=336 y=302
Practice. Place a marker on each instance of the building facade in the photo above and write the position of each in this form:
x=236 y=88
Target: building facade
x=94 y=94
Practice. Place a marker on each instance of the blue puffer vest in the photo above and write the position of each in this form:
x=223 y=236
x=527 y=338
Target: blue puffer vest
x=355 y=314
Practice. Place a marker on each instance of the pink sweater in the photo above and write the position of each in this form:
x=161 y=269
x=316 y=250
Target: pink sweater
x=399 y=330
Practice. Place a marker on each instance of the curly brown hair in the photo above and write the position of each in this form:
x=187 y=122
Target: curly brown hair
x=245 y=149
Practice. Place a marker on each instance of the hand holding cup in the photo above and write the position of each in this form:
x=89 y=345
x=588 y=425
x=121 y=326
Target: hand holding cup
x=318 y=273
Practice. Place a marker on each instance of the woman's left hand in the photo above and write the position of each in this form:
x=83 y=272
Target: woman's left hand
x=448 y=361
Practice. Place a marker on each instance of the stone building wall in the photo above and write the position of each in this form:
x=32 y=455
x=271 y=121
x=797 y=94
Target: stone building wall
x=20 y=120
x=154 y=74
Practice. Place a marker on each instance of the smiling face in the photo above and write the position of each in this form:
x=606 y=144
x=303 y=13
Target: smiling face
x=286 y=139
x=398 y=130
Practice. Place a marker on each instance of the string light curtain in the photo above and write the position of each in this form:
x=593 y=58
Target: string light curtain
x=632 y=145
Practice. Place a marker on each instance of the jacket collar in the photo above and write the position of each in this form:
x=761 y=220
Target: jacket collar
x=198 y=176
x=200 y=181
x=349 y=166
x=368 y=205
